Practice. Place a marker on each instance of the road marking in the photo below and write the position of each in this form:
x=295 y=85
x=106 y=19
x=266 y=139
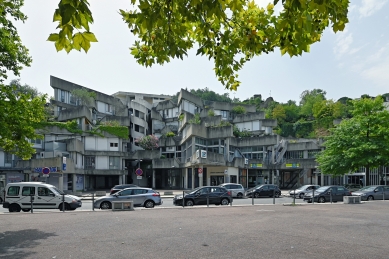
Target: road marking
x=265 y=210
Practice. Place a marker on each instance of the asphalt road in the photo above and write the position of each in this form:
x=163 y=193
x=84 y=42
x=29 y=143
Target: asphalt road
x=168 y=202
x=261 y=231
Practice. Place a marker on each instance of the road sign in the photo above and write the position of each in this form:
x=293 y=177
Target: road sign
x=138 y=172
x=139 y=177
x=45 y=171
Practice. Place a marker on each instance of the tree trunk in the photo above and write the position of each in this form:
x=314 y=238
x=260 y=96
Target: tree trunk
x=367 y=176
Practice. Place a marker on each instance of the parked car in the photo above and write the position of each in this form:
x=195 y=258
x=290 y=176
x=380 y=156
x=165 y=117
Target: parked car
x=353 y=187
x=142 y=197
x=119 y=187
x=373 y=192
x=264 y=190
x=301 y=191
x=214 y=194
x=45 y=196
x=324 y=194
x=236 y=189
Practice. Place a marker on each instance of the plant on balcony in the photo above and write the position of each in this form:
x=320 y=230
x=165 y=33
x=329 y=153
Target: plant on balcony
x=196 y=119
x=149 y=142
x=211 y=113
x=181 y=117
x=162 y=157
x=170 y=134
x=239 y=110
x=241 y=133
x=113 y=128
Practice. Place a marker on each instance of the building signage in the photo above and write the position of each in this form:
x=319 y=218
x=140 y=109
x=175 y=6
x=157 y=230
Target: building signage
x=40 y=169
x=255 y=165
x=64 y=163
x=292 y=165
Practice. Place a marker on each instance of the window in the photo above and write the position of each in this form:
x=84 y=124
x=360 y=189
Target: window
x=126 y=193
x=27 y=191
x=139 y=191
x=89 y=162
x=7 y=158
x=224 y=114
x=43 y=191
x=113 y=144
x=13 y=191
x=114 y=162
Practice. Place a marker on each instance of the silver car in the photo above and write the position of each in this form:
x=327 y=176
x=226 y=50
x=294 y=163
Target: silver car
x=301 y=191
x=141 y=197
x=373 y=192
x=236 y=190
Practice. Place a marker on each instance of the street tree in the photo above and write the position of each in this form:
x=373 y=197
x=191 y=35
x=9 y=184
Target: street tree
x=361 y=141
x=228 y=32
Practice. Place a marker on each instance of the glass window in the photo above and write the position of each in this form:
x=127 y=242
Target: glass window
x=13 y=191
x=126 y=192
x=27 y=191
x=43 y=191
x=139 y=191
x=265 y=188
x=113 y=144
x=7 y=158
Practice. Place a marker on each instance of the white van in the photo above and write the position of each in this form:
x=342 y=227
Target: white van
x=46 y=196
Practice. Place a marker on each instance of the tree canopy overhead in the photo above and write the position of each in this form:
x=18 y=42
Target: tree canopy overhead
x=230 y=32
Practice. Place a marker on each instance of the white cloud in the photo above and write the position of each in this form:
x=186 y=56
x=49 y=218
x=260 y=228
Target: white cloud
x=378 y=74
x=371 y=6
x=343 y=43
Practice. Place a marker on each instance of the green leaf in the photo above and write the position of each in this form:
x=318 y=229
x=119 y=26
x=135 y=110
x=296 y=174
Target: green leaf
x=53 y=37
x=89 y=36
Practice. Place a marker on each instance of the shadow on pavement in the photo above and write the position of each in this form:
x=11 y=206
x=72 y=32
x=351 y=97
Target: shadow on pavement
x=14 y=243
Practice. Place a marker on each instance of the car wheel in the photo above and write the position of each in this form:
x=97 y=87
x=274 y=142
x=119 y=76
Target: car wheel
x=106 y=205
x=189 y=203
x=256 y=195
x=240 y=195
x=67 y=206
x=224 y=201
x=26 y=210
x=277 y=194
x=14 y=208
x=322 y=200
x=370 y=198
x=301 y=195
x=149 y=204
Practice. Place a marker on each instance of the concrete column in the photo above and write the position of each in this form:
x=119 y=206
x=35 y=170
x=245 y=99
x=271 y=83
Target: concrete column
x=322 y=179
x=201 y=180
x=153 y=184
x=60 y=182
x=193 y=178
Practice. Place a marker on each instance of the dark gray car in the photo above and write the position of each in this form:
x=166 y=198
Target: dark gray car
x=141 y=197
x=329 y=193
x=373 y=192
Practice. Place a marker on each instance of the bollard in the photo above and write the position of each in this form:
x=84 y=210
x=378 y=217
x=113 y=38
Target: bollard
x=31 y=200
x=294 y=197
x=93 y=201
x=383 y=193
x=183 y=199
x=313 y=196
x=207 y=198
x=252 y=198
x=231 y=199
x=63 y=202
x=274 y=196
x=331 y=195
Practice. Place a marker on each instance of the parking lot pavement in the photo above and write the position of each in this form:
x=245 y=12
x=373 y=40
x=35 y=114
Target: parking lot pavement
x=316 y=231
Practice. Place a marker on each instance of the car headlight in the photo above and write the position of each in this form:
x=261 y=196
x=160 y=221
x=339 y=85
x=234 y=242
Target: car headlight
x=362 y=194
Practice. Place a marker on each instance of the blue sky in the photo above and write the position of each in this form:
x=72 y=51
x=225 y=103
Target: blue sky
x=349 y=63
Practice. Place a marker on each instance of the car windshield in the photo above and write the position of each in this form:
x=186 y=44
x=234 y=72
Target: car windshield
x=303 y=187
x=195 y=190
x=57 y=190
x=368 y=188
x=256 y=187
x=322 y=189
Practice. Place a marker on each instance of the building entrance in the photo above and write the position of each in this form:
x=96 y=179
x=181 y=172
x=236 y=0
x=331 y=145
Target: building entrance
x=216 y=180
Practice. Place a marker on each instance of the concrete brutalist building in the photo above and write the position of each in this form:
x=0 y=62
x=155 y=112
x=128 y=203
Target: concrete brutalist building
x=197 y=146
